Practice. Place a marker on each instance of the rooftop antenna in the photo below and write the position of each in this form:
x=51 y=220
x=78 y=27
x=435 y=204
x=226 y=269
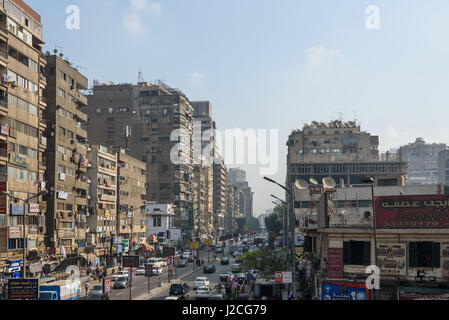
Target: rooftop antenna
x=340 y=116
x=140 y=77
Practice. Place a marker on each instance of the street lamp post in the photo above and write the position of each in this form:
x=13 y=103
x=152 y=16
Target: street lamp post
x=291 y=219
x=371 y=181
x=25 y=202
x=284 y=220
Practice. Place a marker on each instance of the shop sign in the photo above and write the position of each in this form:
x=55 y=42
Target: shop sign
x=16 y=209
x=417 y=293
x=15 y=232
x=283 y=277
x=107 y=285
x=416 y=211
x=392 y=259
x=131 y=261
x=299 y=239
x=344 y=291
x=63 y=195
x=34 y=208
x=15 y=266
x=18 y=160
x=23 y=289
x=311 y=222
x=335 y=263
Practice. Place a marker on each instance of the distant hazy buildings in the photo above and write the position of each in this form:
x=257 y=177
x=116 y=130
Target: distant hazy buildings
x=422 y=159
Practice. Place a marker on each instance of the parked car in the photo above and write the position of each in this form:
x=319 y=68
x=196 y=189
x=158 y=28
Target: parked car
x=140 y=272
x=182 y=263
x=224 y=261
x=120 y=274
x=209 y=269
x=97 y=289
x=190 y=259
x=121 y=283
x=96 y=296
x=201 y=282
x=179 y=289
x=202 y=293
x=216 y=297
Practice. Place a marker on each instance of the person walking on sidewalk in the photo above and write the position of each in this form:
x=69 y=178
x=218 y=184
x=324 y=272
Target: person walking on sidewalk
x=86 y=286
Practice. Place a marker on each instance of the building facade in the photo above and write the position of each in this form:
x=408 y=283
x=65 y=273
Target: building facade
x=22 y=140
x=66 y=157
x=220 y=188
x=151 y=113
x=102 y=223
x=422 y=160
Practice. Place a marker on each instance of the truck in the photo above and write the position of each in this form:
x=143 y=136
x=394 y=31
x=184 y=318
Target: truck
x=60 y=290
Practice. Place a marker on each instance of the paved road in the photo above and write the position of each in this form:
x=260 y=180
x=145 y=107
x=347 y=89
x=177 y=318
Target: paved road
x=140 y=283
x=213 y=278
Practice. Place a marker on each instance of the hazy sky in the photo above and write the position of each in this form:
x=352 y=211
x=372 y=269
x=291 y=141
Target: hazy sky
x=274 y=64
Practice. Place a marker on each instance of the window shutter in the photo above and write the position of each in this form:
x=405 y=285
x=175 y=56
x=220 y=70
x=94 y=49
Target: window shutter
x=412 y=254
x=346 y=253
x=367 y=253
x=436 y=255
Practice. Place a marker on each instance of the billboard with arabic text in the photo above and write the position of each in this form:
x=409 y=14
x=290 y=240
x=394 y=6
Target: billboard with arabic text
x=416 y=211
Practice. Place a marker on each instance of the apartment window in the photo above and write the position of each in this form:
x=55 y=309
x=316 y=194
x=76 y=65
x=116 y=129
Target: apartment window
x=60 y=206
x=61 y=93
x=424 y=255
x=61 y=169
x=157 y=222
x=13 y=53
x=23 y=150
x=60 y=187
x=357 y=253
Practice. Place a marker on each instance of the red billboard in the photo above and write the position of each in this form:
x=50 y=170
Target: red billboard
x=334 y=263
x=416 y=211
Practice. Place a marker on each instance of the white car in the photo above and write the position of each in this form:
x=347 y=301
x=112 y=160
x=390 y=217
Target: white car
x=201 y=282
x=171 y=298
x=202 y=293
x=140 y=272
x=186 y=254
x=120 y=274
x=157 y=271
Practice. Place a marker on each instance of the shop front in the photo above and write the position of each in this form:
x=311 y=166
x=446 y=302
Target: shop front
x=331 y=290
x=421 y=293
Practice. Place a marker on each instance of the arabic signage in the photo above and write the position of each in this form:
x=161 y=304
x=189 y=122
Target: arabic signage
x=335 y=263
x=283 y=277
x=311 y=222
x=344 y=291
x=15 y=232
x=194 y=245
x=63 y=195
x=23 y=289
x=18 y=160
x=417 y=293
x=391 y=258
x=418 y=211
x=16 y=209
x=169 y=251
x=34 y=208
x=107 y=285
x=131 y=261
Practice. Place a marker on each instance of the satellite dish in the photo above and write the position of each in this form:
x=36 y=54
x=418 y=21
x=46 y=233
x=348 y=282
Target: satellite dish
x=343 y=212
x=313 y=181
x=301 y=184
x=329 y=183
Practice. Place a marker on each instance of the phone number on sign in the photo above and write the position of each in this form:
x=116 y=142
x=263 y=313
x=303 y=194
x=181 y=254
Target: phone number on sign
x=430 y=224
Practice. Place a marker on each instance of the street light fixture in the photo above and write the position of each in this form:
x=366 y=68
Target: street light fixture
x=25 y=202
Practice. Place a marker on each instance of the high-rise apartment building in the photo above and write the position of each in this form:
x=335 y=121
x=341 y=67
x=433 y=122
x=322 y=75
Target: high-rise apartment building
x=102 y=224
x=236 y=176
x=22 y=142
x=66 y=157
x=143 y=118
x=422 y=160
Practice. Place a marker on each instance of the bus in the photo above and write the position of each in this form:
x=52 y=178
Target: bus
x=157 y=262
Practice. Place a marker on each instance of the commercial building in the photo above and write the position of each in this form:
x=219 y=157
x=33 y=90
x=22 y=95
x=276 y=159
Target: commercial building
x=102 y=223
x=411 y=237
x=160 y=221
x=22 y=140
x=341 y=151
x=66 y=157
x=151 y=113
x=131 y=195
x=422 y=160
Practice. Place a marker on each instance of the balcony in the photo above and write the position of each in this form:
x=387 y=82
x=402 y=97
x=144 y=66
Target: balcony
x=3 y=28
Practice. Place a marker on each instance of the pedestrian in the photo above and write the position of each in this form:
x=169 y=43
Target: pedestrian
x=86 y=286
x=291 y=296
